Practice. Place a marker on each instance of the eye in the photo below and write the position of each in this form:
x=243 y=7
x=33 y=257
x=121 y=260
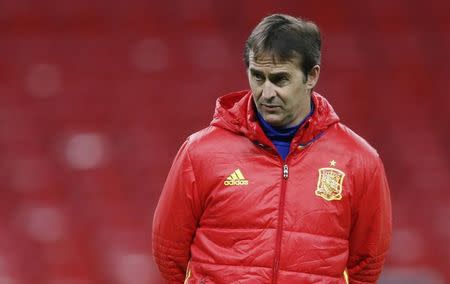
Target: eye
x=281 y=80
x=258 y=77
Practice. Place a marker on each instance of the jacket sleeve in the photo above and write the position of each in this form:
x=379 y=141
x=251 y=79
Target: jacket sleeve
x=371 y=231
x=175 y=220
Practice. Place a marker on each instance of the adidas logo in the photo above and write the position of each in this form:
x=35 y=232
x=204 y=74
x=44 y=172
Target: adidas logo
x=236 y=178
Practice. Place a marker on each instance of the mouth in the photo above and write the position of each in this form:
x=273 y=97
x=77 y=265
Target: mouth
x=270 y=107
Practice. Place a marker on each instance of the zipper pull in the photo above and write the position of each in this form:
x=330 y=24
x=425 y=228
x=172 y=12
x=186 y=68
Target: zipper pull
x=285 y=171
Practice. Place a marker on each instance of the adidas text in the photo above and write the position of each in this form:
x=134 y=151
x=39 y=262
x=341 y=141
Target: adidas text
x=236 y=182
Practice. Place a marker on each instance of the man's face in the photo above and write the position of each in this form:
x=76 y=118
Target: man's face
x=280 y=90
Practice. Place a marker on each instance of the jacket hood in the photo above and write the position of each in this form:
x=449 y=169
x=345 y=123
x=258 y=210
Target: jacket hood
x=236 y=112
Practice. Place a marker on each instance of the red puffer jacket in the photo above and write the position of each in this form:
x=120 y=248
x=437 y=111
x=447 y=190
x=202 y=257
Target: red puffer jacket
x=232 y=211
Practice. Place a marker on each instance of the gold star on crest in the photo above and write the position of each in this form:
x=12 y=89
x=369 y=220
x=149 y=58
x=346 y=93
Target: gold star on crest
x=332 y=163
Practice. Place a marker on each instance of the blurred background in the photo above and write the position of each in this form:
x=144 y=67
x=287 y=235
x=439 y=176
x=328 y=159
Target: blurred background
x=97 y=96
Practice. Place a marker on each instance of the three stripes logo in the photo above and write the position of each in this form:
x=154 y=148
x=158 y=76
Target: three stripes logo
x=236 y=178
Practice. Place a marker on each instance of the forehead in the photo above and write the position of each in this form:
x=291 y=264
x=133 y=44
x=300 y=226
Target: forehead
x=269 y=62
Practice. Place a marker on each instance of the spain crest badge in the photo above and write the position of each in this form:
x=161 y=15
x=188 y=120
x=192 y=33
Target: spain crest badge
x=329 y=185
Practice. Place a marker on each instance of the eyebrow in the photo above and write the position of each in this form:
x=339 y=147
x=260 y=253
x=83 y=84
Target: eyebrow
x=271 y=75
x=254 y=71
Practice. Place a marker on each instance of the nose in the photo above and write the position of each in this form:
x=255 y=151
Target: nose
x=268 y=90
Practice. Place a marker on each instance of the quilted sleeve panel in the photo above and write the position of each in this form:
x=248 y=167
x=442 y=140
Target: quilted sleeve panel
x=372 y=229
x=176 y=218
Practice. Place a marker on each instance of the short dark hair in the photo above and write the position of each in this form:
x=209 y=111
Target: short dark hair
x=285 y=38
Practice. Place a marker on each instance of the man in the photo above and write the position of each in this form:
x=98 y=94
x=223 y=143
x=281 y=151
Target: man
x=275 y=190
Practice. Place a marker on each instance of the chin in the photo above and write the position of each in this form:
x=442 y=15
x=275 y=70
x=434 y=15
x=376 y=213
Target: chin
x=274 y=121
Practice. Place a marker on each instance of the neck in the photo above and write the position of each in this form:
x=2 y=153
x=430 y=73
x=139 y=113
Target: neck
x=306 y=112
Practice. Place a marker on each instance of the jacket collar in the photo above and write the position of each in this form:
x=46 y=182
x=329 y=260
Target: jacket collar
x=236 y=113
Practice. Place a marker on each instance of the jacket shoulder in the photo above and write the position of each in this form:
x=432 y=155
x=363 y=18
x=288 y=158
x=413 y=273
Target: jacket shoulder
x=209 y=140
x=353 y=144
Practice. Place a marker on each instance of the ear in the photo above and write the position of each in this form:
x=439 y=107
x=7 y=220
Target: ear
x=313 y=77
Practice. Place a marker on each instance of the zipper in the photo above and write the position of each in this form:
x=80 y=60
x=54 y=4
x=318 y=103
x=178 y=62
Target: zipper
x=276 y=263
x=285 y=171
x=285 y=176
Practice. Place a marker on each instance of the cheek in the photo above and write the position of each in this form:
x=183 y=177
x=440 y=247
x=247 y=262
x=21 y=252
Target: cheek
x=255 y=94
x=256 y=90
x=291 y=99
x=296 y=95
x=285 y=96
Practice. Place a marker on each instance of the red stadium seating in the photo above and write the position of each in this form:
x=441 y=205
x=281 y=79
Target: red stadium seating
x=96 y=97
